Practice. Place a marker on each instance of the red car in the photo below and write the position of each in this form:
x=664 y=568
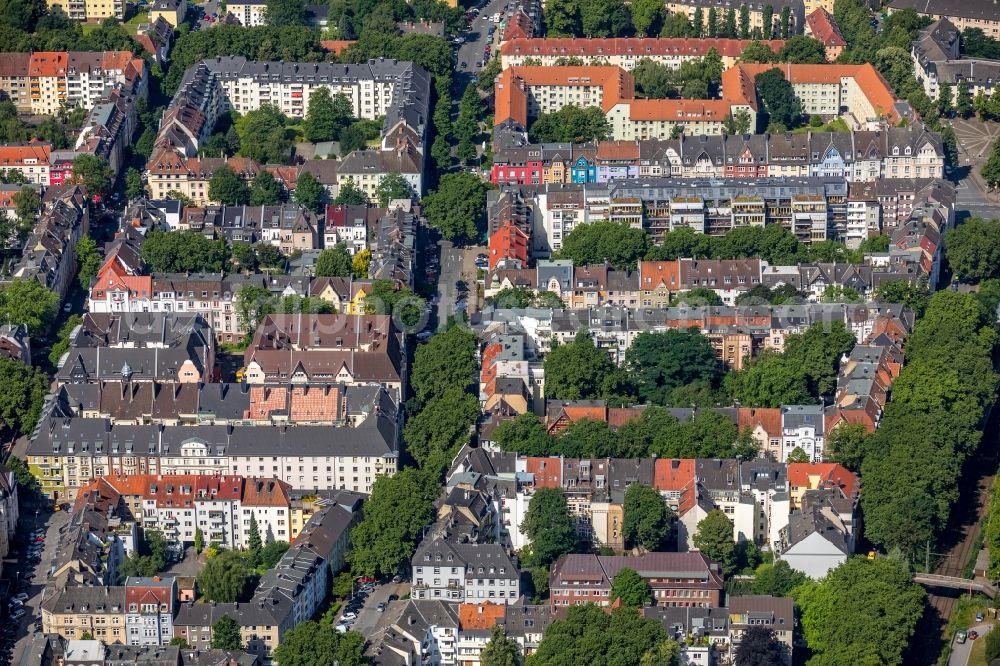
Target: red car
x=973 y=635
x=366 y=579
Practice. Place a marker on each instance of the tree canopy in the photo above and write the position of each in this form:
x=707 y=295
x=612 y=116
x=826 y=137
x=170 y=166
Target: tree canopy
x=224 y=577
x=588 y=635
x=617 y=243
x=647 y=518
x=631 y=588
x=334 y=262
x=580 y=371
x=571 y=124
x=973 y=249
x=226 y=187
x=26 y=301
x=456 y=207
x=310 y=643
x=184 y=252
x=548 y=526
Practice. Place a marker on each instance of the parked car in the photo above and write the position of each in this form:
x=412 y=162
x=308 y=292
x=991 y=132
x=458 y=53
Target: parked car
x=393 y=597
x=22 y=597
x=341 y=628
x=381 y=607
x=973 y=635
x=399 y=579
x=961 y=636
x=18 y=614
x=350 y=615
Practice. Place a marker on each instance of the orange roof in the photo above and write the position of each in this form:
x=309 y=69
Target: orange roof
x=16 y=156
x=547 y=471
x=48 y=63
x=822 y=26
x=676 y=476
x=652 y=274
x=128 y=485
x=768 y=418
x=480 y=616
x=680 y=110
x=512 y=102
x=337 y=46
x=823 y=475
x=635 y=46
x=508 y=242
x=266 y=492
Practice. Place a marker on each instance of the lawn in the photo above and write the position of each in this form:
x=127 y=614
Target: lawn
x=835 y=125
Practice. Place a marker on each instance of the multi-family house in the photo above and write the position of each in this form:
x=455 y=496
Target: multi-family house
x=44 y=81
x=982 y=15
x=820 y=535
x=415 y=632
x=623 y=52
x=675 y=579
x=150 y=604
x=74 y=610
x=347 y=225
x=263 y=623
x=471 y=572
x=774 y=613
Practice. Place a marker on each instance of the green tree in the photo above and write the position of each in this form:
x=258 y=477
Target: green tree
x=501 y=650
x=802 y=50
x=760 y=647
x=914 y=296
x=647 y=17
x=350 y=195
x=944 y=101
x=619 y=244
x=848 y=444
x=778 y=98
x=199 y=540
x=588 y=635
x=714 y=537
x=737 y=124
x=226 y=634
x=676 y=24
x=253 y=535
x=698 y=297
x=963 y=102
x=224 y=577
x=271 y=553
x=548 y=526
x=22 y=392
x=334 y=262
x=863 y=612
x=61 y=346
x=562 y=18
x=226 y=187
x=265 y=189
x=571 y=124
x=767 y=21
x=93 y=173
x=262 y=134
x=311 y=644
x=179 y=641
x=744 y=21
x=89 y=261
x=326 y=116
x=577 y=371
x=658 y=363
x=26 y=301
x=447 y=359
x=285 y=13
x=399 y=508
x=973 y=249
x=631 y=588
x=647 y=519
x=776 y=580
x=183 y=252
x=310 y=193
x=438 y=430
x=713 y=23
x=133 y=184
x=729 y=23
x=786 y=21
x=455 y=207
x=392 y=186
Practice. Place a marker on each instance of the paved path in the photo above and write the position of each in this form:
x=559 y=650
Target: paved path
x=960 y=651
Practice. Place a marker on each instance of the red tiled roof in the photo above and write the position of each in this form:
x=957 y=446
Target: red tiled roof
x=824 y=28
x=635 y=46
x=480 y=616
x=823 y=475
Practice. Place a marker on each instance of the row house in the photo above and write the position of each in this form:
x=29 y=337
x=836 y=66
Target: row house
x=74 y=610
x=346 y=225
x=263 y=623
x=89 y=10
x=626 y=53
x=676 y=580
x=288 y=227
x=150 y=604
x=858 y=156
x=67 y=453
x=393 y=250
x=415 y=631
x=43 y=82
x=49 y=253
x=774 y=613
x=510 y=380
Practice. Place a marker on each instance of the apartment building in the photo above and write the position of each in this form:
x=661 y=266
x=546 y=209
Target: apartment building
x=33 y=160
x=757 y=9
x=89 y=10
x=397 y=91
x=528 y=91
x=623 y=52
x=346 y=225
x=171 y=11
x=821 y=26
x=465 y=572
x=982 y=15
x=74 y=610
x=415 y=632
x=263 y=623
x=150 y=604
x=774 y=613
x=675 y=579
x=45 y=81
x=938 y=61
x=49 y=253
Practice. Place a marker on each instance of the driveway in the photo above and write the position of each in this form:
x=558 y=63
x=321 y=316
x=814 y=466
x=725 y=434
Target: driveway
x=960 y=651
x=369 y=616
x=52 y=522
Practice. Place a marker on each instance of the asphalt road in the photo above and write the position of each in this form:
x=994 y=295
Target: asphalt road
x=960 y=651
x=476 y=38
x=451 y=271
x=52 y=522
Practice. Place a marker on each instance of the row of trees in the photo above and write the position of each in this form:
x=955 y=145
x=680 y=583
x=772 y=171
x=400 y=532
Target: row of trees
x=933 y=423
x=974 y=245
x=694 y=79
x=649 y=18
x=623 y=246
x=655 y=432
x=456 y=207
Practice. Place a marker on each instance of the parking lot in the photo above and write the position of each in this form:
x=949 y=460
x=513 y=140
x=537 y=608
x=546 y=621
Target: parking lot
x=29 y=577
x=366 y=607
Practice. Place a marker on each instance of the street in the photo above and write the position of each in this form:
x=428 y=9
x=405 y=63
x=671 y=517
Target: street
x=471 y=52
x=53 y=524
x=975 y=140
x=960 y=651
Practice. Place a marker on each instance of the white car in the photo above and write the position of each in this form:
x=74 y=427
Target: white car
x=341 y=628
x=17 y=615
x=22 y=597
x=351 y=615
